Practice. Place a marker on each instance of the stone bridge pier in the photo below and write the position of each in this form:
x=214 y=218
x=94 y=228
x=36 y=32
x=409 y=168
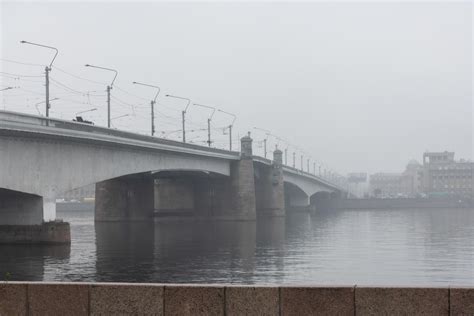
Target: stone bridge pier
x=22 y=220
x=269 y=189
x=181 y=194
x=128 y=198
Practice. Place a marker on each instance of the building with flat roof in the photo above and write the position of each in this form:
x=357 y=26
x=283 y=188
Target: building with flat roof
x=442 y=175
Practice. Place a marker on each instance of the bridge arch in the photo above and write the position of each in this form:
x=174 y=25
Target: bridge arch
x=65 y=164
x=295 y=197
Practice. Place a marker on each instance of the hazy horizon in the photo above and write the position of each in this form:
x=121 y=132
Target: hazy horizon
x=359 y=86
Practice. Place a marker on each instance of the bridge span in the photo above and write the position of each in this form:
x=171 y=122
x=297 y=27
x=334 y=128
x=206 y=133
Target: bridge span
x=138 y=177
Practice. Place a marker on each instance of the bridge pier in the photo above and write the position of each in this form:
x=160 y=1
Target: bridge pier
x=128 y=198
x=269 y=191
x=22 y=222
x=208 y=196
x=242 y=184
x=174 y=197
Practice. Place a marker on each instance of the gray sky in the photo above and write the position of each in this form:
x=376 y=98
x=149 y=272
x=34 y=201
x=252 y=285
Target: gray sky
x=360 y=86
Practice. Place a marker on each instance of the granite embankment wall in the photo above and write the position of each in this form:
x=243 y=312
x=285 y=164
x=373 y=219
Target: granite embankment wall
x=402 y=203
x=21 y=298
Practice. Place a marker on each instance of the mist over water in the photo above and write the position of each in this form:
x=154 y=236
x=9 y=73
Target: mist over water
x=373 y=247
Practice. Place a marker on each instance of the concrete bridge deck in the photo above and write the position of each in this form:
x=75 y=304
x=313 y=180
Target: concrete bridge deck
x=42 y=157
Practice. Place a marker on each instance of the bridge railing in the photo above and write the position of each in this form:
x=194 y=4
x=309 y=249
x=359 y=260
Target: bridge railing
x=15 y=118
x=293 y=170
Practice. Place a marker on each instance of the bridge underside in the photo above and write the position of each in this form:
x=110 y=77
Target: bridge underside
x=177 y=195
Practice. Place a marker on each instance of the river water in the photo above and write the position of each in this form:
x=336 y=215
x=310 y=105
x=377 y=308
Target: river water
x=373 y=247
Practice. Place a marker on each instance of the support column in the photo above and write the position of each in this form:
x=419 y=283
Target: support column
x=128 y=198
x=269 y=188
x=21 y=220
x=242 y=185
x=174 y=197
x=277 y=205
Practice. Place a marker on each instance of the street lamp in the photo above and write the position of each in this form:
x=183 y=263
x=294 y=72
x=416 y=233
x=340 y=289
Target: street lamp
x=183 y=113
x=36 y=105
x=120 y=116
x=208 y=121
x=267 y=133
x=47 y=70
x=90 y=110
x=5 y=89
x=152 y=103
x=230 y=127
x=109 y=87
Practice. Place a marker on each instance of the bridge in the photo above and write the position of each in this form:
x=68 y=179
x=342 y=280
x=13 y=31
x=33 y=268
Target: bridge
x=137 y=177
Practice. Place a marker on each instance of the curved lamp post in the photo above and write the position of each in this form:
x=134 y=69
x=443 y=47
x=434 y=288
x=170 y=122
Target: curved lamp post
x=183 y=113
x=267 y=133
x=230 y=126
x=152 y=103
x=109 y=87
x=36 y=105
x=47 y=69
x=86 y=111
x=208 y=121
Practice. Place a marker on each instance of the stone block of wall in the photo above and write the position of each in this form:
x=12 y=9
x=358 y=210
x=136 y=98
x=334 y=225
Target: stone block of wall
x=128 y=198
x=317 y=301
x=126 y=299
x=401 y=301
x=58 y=299
x=47 y=233
x=174 y=194
x=243 y=300
x=13 y=299
x=461 y=301
x=194 y=300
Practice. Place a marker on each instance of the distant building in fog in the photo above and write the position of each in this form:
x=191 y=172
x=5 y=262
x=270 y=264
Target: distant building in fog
x=79 y=194
x=442 y=175
x=385 y=184
x=358 y=184
x=411 y=179
x=439 y=175
x=407 y=183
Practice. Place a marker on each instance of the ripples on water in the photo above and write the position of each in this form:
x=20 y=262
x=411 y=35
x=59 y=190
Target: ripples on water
x=404 y=247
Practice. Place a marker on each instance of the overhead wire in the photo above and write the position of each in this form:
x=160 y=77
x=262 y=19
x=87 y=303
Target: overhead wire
x=20 y=63
x=18 y=75
x=78 y=77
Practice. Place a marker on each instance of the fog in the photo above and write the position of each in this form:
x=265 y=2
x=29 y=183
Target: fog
x=358 y=86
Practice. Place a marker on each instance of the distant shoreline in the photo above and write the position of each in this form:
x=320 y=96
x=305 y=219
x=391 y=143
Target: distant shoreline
x=398 y=203
x=339 y=204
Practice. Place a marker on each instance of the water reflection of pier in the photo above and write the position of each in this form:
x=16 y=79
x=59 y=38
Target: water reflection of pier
x=187 y=251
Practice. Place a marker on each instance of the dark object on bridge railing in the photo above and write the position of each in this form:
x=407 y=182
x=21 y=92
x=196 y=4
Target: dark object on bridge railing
x=81 y=120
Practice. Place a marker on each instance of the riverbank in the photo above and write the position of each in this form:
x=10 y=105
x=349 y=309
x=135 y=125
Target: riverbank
x=74 y=206
x=25 y=298
x=398 y=203
x=336 y=204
